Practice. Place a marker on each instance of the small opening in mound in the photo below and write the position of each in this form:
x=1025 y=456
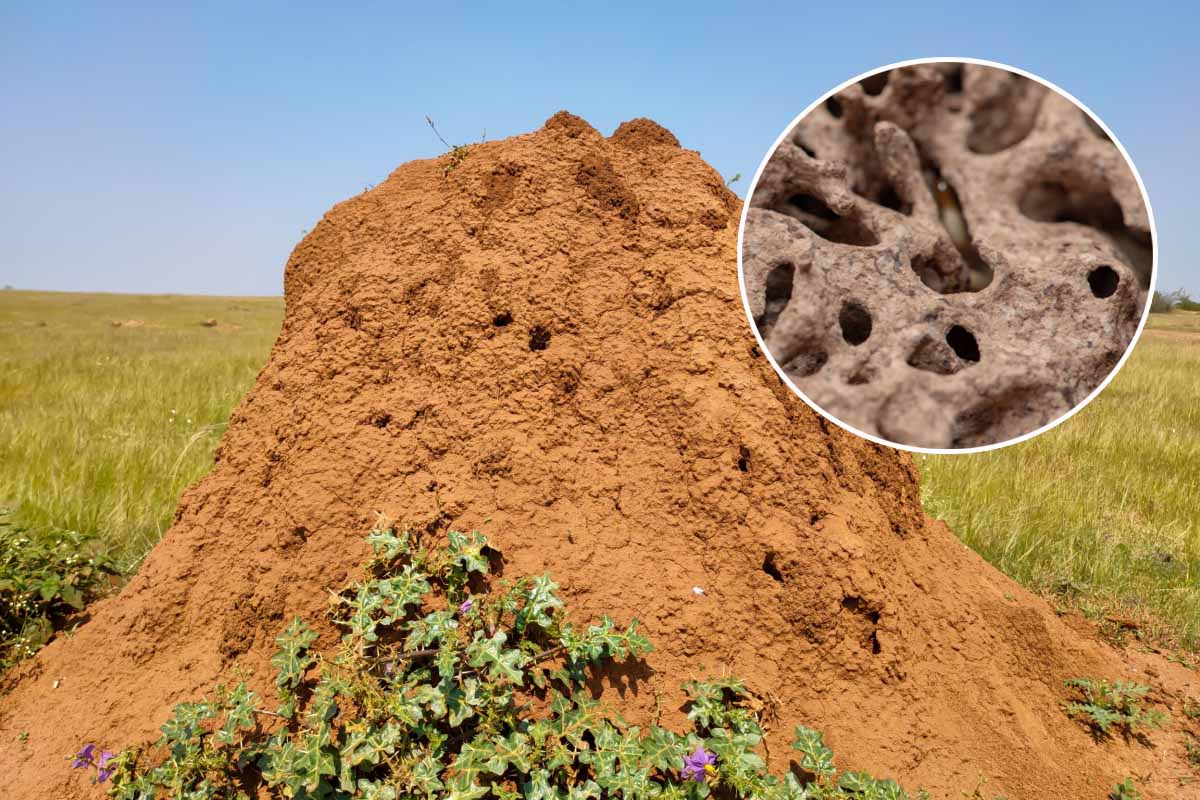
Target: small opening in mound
x=771 y=568
x=539 y=338
x=808 y=151
x=953 y=79
x=860 y=377
x=874 y=84
x=776 y=295
x=834 y=107
x=502 y=319
x=1007 y=117
x=827 y=223
x=813 y=205
x=963 y=343
x=855 y=322
x=381 y=420
x=1051 y=201
x=744 y=458
x=1103 y=281
x=889 y=199
x=807 y=364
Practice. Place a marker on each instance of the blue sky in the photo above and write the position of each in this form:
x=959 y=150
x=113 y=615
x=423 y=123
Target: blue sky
x=151 y=150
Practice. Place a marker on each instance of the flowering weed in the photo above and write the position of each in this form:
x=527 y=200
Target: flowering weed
x=1107 y=705
x=440 y=688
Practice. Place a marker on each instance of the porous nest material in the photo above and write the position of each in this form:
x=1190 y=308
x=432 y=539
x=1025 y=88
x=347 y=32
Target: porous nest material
x=547 y=343
x=947 y=255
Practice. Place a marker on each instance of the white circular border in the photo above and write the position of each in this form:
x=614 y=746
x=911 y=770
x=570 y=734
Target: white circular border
x=931 y=450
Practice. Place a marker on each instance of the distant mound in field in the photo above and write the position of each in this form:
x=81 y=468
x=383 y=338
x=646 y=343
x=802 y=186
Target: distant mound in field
x=545 y=342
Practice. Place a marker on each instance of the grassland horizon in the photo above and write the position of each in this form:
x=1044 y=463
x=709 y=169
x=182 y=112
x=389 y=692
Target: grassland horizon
x=111 y=405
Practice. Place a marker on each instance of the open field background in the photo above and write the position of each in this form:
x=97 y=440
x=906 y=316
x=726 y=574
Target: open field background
x=103 y=426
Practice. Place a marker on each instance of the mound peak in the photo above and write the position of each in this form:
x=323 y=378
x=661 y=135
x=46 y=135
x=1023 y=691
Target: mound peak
x=544 y=341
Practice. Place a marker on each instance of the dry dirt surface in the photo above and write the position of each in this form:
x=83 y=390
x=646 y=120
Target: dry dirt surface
x=546 y=343
x=947 y=255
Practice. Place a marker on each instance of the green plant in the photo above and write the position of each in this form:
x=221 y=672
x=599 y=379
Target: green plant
x=44 y=578
x=445 y=687
x=1191 y=747
x=458 y=152
x=1125 y=790
x=1105 y=705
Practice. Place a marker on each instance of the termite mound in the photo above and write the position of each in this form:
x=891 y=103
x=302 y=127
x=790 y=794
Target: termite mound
x=947 y=201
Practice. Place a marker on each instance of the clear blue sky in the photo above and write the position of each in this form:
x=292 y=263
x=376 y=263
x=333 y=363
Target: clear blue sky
x=146 y=150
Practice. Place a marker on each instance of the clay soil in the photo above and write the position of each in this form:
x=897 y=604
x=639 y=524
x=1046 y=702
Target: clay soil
x=546 y=343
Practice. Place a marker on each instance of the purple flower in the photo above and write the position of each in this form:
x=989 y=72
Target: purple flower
x=84 y=757
x=103 y=771
x=466 y=606
x=388 y=667
x=700 y=765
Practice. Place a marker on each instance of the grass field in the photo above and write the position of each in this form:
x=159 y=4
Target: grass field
x=1105 y=508
x=102 y=427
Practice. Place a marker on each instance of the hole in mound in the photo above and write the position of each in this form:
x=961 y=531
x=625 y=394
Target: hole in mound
x=963 y=343
x=776 y=295
x=771 y=568
x=834 y=107
x=855 y=322
x=807 y=364
x=874 y=84
x=1052 y=201
x=744 y=458
x=1103 y=281
x=953 y=79
x=889 y=199
x=381 y=420
x=859 y=378
x=808 y=151
x=1005 y=119
x=502 y=319
x=934 y=356
x=539 y=338
x=827 y=223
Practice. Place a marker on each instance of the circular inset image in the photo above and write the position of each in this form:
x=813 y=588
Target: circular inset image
x=947 y=255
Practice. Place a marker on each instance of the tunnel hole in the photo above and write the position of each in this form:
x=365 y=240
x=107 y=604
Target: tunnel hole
x=1103 y=281
x=1007 y=117
x=874 y=84
x=860 y=377
x=777 y=294
x=822 y=220
x=953 y=79
x=1055 y=202
x=806 y=365
x=834 y=107
x=814 y=206
x=771 y=568
x=855 y=322
x=381 y=419
x=888 y=198
x=539 y=338
x=743 y=462
x=963 y=343
x=503 y=319
x=807 y=148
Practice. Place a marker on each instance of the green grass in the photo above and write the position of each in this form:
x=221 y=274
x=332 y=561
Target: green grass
x=1105 y=508
x=102 y=427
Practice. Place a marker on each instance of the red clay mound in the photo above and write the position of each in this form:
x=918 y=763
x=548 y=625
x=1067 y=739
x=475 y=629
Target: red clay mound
x=546 y=342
